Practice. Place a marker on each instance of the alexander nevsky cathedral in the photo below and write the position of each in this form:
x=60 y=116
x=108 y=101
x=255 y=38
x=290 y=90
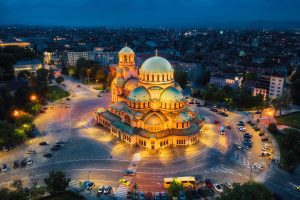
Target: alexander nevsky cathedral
x=147 y=106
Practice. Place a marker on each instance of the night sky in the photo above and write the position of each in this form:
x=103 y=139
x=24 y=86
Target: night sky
x=148 y=13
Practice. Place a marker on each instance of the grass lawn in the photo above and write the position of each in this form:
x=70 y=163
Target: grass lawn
x=65 y=196
x=55 y=93
x=292 y=119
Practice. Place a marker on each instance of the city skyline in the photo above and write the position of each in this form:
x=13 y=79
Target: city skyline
x=203 y=13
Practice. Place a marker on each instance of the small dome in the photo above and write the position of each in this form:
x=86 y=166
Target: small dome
x=131 y=84
x=156 y=64
x=139 y=94
x=119 y=105
x=118 y=82
x=171 y=95
x=182 y=117
x=154 y=120
x=126 y=50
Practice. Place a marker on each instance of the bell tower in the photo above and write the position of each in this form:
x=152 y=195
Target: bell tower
x=127 y=63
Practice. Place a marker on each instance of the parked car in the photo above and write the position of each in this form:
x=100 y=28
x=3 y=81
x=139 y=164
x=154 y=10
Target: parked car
x=208 y=183
x=100 y=190
x=60 y=142
x=264 y=139
x=47 y=155
x=217 y=122
x=238 y=146
x=261 y=133
x=89 y=185
x=142 y=195
x=182 y=195
x=23 y=163
x=31 y=151
x=163 y=195
x=156 y=196
x=229 y=127
x=16 y=164
x=43 y=143
x=106 y=189
x=218 y=188
x=55 y=148
x=4 y=168
x=29 y=161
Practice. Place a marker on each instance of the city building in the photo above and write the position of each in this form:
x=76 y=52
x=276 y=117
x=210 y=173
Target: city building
x=277 y=82
x=147 y=106
x=262 y=86
x=73 y=56
x=29 y=65
x=221 y=79
x=48 y=56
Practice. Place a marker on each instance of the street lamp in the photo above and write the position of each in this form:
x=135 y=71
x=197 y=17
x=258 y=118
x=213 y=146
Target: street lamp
x=16 y=113
x=33 y=97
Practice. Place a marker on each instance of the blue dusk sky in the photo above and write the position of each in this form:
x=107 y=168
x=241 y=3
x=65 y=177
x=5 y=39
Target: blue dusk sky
x=147 y=13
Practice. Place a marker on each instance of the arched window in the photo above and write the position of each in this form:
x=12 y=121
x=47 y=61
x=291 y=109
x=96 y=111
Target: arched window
x=163 y=77
x=152 y=77
x=147 y=77
x=158 y=77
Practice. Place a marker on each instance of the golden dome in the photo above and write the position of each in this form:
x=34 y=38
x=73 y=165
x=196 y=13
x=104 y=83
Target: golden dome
x=156 y=64
x=171 y=95
x=118 y=82
x=131 y=84
x=139 y=94
x=126 y=50
x=182 y=117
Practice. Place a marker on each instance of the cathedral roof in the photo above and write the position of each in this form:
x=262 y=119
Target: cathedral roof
x=131 y=84
x=126 y=50
x=118 y=82
x=171 y=94
x=182 y=117
x=139 y=94
x=156 y=64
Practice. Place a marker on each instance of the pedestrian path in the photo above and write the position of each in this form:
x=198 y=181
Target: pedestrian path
x=122 y=190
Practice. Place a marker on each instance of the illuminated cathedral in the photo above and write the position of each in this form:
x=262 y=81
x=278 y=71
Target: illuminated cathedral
x=147 y=106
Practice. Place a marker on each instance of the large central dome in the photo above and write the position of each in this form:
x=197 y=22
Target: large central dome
x=156 y=64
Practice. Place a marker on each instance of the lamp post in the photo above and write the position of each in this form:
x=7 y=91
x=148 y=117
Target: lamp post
x=33 y=97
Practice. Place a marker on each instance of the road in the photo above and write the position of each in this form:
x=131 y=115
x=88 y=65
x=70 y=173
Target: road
x=92 y=153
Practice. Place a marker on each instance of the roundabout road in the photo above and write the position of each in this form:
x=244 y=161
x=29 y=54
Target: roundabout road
x=92 y=153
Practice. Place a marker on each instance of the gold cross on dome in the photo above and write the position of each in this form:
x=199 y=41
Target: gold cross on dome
x=126 y=44
x=156 y=52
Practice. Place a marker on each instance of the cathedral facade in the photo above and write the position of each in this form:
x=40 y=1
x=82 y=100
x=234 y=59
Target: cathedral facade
x=147 y=106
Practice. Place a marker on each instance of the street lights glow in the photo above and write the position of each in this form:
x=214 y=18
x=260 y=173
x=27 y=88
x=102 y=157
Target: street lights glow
x=33 y=97
x=16 y=113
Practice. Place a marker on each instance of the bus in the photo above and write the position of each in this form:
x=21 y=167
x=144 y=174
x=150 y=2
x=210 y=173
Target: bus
x=187 y=181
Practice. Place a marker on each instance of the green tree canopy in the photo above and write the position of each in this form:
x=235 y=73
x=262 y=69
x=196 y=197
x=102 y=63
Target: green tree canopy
x=57 y=182
x=248 y=191
x=175 y=187
x=59 y=80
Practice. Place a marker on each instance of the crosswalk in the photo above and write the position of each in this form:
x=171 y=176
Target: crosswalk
x=122 y=190
x=242 y=160
x=220 y=169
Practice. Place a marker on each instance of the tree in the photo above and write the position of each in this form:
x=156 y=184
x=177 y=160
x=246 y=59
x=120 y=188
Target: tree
x=109 y=79
x=59 y=80
x=281 y=102
x=65 y=70
x=6 y=133
x=272 y=128
x=248 y=191
x=57 y=182
x=175 y=187
x=36 y=192
x=181 y=78
x=42 y=75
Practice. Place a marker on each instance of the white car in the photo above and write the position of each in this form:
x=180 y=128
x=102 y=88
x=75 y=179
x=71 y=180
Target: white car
x=259 y=166
x=243 y=129
x=106 y=189
x=229 y=185
x=218 y=188
x=29 y=161
x=156 y=196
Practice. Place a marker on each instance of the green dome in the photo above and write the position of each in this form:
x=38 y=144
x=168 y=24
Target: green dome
x=131 y=83
x=183 y=117
x=118 y=82
x=156 y=64
x=171 y=95
x=139 y=94
x=126 y=50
